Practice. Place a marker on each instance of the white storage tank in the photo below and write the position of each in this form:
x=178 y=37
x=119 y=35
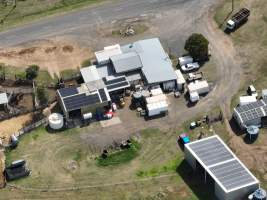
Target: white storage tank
x=89 y=115
x=56 y=121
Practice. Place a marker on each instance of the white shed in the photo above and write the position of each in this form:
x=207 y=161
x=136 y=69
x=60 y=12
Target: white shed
x=180 y=80
x=244 y=100
x=232 y=180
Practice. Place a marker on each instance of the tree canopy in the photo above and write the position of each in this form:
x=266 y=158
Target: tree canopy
x=197 y=46
x=32 y=72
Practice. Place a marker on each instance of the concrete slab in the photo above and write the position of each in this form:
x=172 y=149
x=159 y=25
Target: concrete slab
x=110 y=122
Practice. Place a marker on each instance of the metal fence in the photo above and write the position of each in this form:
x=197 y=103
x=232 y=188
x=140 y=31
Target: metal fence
x=31 y=127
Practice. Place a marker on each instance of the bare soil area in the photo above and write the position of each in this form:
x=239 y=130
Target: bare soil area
x=10 y=126
x=51 y=55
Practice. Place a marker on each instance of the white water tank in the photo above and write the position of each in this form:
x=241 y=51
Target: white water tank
x=87 y=116
x=56 y=121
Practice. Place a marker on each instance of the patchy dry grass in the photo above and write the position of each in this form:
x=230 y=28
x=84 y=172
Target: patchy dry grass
x=30 y=10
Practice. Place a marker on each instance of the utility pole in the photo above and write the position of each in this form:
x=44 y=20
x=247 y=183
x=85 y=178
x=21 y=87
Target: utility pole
x=232 y=5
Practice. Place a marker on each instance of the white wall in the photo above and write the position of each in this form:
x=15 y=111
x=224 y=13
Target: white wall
x=235 y=195
x=190 y=158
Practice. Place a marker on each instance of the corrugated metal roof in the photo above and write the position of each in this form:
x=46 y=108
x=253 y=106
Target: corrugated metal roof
x=104 y=55
x=3 y=98
x=126 y=62
x=90 y=74
x=221 y=163
x=157 y=66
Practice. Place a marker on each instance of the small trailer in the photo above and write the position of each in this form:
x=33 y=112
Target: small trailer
x=158 y=108
x=238 y=19
x=201 y=87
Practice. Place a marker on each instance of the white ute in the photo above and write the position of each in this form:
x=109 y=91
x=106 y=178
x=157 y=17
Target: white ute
x=190 y=67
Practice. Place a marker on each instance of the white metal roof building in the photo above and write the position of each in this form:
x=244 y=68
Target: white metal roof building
x=251 y=114
x=103 y=56
x=157 y=66
x=232 y=180
x=90 y=74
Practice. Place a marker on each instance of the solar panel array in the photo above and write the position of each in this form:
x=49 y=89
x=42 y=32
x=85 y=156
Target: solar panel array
x=117 y=84
x=250 y=106
x=232 y=174
x=252 y=114
x=64 y=92
x=211 y=151
x=220 y=162
x=103 y=95
x=252 y=111
x=81 y=100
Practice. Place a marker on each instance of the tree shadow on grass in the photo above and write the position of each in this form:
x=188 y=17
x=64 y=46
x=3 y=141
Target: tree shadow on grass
x=196 y=182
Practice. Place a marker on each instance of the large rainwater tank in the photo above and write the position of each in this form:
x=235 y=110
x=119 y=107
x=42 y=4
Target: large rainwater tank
x=56 y=121
x=259 y=194
x=252 y=132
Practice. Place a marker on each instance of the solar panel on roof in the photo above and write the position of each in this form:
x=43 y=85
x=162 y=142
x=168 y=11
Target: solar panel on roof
x=103 y=95
x=79 y=101
x=232 y=174
x=211 y=151
x=117 y=85
x=64 y=92
x=220 y=163
x=116 y=80
x=249 y=106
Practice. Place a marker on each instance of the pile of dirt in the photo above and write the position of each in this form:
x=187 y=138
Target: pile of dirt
x=10 y=126
x=2 y=168
x=50 y=55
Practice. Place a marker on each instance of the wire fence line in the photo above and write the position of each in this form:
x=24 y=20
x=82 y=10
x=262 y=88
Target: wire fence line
x=90 y=186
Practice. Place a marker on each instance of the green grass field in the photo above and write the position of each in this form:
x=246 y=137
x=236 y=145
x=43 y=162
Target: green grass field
x=64 y=160
x=29 y=10
x=251 y=42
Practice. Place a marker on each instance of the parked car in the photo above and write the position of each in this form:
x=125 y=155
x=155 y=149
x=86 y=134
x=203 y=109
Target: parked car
x=190 y=67
x=185 y=60
x=252 y=91
x=184 y=138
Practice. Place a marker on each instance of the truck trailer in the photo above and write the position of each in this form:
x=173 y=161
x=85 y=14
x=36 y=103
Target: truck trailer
x=201 y=87
x=238 y=19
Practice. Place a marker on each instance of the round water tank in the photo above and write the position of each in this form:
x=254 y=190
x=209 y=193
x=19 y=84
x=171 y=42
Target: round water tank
x=56 y=121
x=253 y=131
x=260 y=194
x=137 y=95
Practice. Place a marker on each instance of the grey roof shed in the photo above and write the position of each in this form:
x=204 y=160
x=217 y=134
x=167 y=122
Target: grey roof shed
x=126 y=62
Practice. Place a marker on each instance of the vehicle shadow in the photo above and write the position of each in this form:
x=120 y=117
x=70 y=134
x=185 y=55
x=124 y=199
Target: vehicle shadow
x=195 y=181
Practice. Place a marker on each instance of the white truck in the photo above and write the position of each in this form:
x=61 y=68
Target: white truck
x=201 y=87
x=197 y=88
x=238 y=19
